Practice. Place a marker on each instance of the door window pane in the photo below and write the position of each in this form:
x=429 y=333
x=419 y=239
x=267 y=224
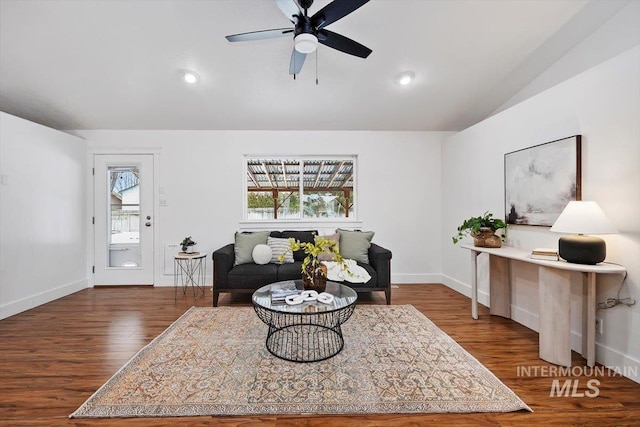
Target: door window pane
x=124 y=215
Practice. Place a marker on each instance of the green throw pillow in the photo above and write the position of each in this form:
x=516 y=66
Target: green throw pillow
x=355 y=244
x=245 y=242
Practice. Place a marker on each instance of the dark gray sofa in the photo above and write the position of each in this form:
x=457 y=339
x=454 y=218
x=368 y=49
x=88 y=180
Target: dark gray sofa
x=246 y=278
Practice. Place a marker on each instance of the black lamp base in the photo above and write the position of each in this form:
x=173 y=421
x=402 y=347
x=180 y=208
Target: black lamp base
x=581 y=249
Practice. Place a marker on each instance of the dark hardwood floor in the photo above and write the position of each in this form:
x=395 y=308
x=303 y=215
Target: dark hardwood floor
x=52 y=358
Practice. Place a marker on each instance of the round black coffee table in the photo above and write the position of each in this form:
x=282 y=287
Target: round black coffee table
x=308 y=332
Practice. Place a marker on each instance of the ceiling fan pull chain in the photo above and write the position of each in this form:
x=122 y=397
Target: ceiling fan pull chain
x=316 y=67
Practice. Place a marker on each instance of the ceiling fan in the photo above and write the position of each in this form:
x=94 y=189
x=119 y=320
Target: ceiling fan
x=309 y=31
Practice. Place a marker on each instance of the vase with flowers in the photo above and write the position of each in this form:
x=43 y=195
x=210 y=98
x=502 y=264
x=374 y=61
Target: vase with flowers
x=314 y=272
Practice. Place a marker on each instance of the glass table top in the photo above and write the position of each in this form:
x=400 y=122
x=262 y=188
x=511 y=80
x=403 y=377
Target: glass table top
x=344 y=296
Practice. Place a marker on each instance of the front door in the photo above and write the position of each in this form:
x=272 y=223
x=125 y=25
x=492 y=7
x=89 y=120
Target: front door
x=123 y=230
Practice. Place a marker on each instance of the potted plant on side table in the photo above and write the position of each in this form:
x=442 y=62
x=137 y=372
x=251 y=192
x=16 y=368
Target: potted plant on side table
x=187 y=245
x=482 y=229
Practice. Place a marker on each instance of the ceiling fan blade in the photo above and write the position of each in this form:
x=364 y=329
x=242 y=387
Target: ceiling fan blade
x=290 y=9
x=297 y=60
x=335 y=10
x=260 y=35
x=342 y=43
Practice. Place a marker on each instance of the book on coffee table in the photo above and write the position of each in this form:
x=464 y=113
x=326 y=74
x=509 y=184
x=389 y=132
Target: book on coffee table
x=281 y=290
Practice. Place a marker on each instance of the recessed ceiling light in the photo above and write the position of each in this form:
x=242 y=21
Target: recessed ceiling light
x=190 y=77
x=405 y=77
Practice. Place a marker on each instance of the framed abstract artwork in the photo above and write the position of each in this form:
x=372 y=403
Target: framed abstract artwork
x=541 y=180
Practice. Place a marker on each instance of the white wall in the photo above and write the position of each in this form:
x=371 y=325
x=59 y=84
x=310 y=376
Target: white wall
x=42 y=215
x=201 y=178
x=601 y=104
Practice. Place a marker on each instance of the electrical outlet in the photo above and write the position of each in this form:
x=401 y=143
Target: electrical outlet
x=600 y=326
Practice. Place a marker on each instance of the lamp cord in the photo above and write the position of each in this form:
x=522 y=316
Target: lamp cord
x=612 y=302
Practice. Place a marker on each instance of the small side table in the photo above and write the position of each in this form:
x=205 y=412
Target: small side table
x=189 y=269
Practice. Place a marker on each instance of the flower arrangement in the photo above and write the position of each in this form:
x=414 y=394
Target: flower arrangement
x=312 y=268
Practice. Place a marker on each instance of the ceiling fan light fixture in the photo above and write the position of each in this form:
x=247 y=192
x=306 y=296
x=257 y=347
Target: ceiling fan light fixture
x=305 y=43
x=406 y=77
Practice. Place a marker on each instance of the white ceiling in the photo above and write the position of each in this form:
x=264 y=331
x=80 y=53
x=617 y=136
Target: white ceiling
x=117 y=64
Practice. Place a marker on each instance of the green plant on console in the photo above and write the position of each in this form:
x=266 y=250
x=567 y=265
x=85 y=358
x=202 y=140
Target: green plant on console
x=473 y=225
x=186 y=243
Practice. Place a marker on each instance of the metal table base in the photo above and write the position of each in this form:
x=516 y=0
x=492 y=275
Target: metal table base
x=309 y=332
x=189 y=270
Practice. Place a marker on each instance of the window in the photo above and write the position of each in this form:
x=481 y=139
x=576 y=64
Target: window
x=124 y=186
x=300 y=188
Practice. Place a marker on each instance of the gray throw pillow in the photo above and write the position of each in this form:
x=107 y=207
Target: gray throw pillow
x=244 y=244
x=355 y=244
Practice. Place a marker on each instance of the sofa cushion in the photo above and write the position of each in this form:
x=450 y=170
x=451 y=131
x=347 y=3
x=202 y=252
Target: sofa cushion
x=280 y=247
x=373 y=282
x=252 y=276
x=244 y=244
x=355 y=244
x=302 y=236
x=290 y=271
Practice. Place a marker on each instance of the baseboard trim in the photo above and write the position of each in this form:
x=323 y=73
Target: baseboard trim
x=415 y=278
x=464 y=289
x=27 y=303
x=622 y=364
x=529 y=319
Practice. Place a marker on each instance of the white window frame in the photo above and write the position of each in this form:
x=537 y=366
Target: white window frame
x=301 y=222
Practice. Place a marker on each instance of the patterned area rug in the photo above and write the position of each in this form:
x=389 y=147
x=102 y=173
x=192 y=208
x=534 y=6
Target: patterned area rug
x=213 y=361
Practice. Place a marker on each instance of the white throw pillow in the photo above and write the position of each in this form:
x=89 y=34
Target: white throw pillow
x=261 y=254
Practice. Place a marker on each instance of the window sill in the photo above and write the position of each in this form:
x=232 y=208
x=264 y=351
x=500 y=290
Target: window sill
x=327 y=225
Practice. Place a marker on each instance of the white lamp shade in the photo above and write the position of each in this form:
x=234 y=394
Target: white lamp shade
x=583 y=217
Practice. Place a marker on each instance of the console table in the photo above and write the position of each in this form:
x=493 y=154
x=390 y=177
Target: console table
x=555 y=298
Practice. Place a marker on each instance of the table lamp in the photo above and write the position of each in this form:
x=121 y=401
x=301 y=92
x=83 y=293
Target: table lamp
x=580 y=218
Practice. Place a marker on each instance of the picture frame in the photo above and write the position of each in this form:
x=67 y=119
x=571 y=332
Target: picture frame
x=541 y=180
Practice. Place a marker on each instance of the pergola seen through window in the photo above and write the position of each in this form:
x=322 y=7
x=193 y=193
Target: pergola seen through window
x=295 y=188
